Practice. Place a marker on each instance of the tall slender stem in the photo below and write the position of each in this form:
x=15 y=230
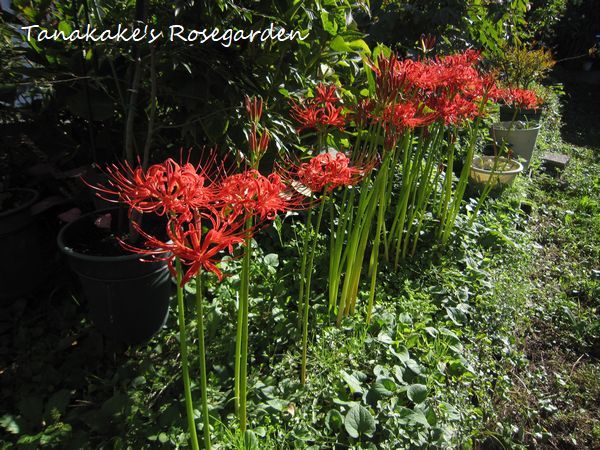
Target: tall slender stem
x=307 y=295
x=241 y=357
x=185 y=369
x=200 y=320
x=303 y=266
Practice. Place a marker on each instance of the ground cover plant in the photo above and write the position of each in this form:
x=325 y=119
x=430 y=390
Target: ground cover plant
x=337 y=280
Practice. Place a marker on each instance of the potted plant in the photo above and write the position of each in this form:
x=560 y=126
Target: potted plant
x=128 y=299
x=521 y=67
x=520 y=135
x=494 y=171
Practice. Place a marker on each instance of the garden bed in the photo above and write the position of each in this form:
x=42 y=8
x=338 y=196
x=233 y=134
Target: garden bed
x=491 y=343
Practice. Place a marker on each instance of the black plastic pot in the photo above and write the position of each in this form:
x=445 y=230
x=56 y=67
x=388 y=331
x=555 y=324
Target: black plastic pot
x=21 y=265
x=128 y=298
x=525 y=115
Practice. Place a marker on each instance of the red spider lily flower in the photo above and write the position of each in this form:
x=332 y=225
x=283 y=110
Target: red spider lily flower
x=165 y=188
x=521 y=98
x=400 y=117
x=323 y=110
x=257 y=140
x=195 y=248
x=307 y=116
x=333 y=116
x=390 y=79
x=311 y=116
x=453 y=110
x=198 y=250
x=250 y=193
x=328 y=171
x=326 y=94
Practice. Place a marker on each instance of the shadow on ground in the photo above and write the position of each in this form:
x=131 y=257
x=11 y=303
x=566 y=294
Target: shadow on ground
x=581 y=113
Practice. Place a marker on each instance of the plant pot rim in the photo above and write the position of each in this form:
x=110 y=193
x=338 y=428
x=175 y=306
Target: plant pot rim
x=34 y=196
x=505 y=125
x=518 y=166
x=60 y=240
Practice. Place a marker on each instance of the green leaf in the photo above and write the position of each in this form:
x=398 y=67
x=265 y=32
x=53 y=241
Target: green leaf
x=272 y=259
x=401 y=353
x=419 y=417
x=359 y=44
x=359 y=422
x=334 y=420
x=338 y=44
x=250 y=440
x=381 y=389
x=352 y=382
x=413 y=366
x=9 y=424
x=329 y=23
x=65 y=27
x=417 y=393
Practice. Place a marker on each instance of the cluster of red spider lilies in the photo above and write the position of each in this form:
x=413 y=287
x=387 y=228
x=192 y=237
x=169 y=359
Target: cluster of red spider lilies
x=405 y=130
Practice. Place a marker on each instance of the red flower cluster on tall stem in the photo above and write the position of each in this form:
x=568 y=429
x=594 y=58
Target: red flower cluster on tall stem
x=413 y=94
x=328 y=171
x=520 y=98
x=321 y=111
x=206 y=215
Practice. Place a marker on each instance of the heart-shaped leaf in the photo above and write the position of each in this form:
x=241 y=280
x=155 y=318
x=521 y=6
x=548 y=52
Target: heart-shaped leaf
x=417 y=392
x=359 y=422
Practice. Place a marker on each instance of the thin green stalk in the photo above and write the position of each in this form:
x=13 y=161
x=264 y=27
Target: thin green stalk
x=365 y=232
x=408 y=179
x=241 y=345
x=244 y=300
x=427 y=187
x=303 y=266
x=200 y=320
x=185 y=368
x=315 y=238
x=337 y=256
x=462 y=185
x=447 y=188
x=352 y=248
x=375 y=250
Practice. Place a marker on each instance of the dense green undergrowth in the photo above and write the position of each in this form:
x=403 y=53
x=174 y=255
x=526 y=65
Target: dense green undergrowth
x=490 y=343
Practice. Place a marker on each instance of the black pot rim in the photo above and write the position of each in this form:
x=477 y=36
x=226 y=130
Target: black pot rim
x=60 y=240
x=34 y=196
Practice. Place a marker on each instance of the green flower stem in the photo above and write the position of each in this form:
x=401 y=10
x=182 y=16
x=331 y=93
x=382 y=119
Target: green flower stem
x=185 y=369
x=315 y=238
x=375 y=250
x=425 y=189
x=303 y=266
x=352 y=249
x=200 y=320
x=241 y=357
x=447 y=188
x=337 y=255
x=462 y=185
